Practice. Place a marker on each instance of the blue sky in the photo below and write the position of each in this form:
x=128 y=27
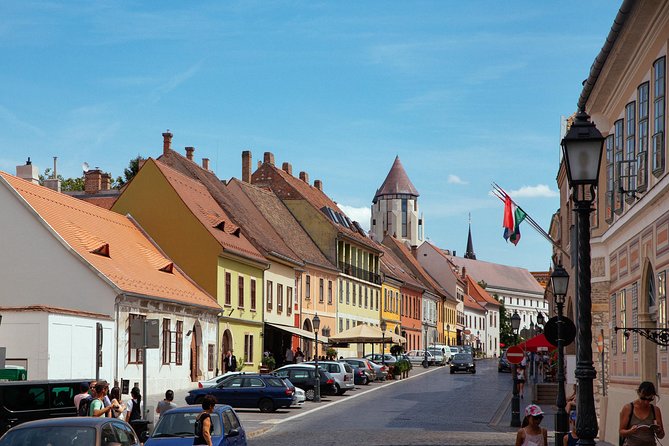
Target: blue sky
x=465 y=92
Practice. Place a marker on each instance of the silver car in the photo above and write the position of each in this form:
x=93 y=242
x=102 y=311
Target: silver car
x=341 y=372
x=439 y=358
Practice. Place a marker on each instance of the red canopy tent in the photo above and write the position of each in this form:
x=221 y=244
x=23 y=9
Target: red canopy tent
x=532 y=344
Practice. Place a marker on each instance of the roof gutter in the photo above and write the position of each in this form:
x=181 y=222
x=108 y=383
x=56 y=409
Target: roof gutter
x=600 y=60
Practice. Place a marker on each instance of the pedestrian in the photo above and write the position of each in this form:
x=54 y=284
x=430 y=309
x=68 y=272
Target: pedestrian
x=299 y=356
x=520 y=377
x=571 y=438
x=166 y=404
x=230 y=362
x=530 y=432
x=203 y=424
x=290 y=356
x=84 y=388
x=134 y=406
x=119 y=407
x=97 y=408
x=640 y=420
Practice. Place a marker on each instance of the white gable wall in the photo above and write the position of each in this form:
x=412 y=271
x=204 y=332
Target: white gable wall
x=37 y=269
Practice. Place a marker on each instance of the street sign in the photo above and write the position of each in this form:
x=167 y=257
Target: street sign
x=568 y=330
x=515 y=354
x=137 y=333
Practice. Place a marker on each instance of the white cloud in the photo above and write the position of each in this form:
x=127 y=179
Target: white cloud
x=362 y=215
x=454 y=179
x=538 y=191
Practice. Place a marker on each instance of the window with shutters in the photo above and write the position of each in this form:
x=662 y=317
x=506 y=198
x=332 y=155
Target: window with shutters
x=623 y=320
x=253 y=294
x=240 y=290
x=279 y=298
x=270 y=298
x=629 y=169
x=321 y=291
x=658 y=155
x=642 y=137
x=211 y=357
x=248 y=348
x=329 y=292
x=228 y=290
x=307 y=287
x=167 y=341
x=289 y=300
x=179 y=341
x=635 y=316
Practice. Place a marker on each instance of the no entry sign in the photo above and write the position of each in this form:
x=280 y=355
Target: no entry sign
x=515 y=354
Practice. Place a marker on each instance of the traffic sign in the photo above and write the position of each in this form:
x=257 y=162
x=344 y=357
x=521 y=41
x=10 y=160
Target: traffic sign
x=515 y=354
x=568 y=330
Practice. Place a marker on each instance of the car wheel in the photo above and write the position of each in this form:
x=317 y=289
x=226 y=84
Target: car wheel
x=338 y=392
x=473 y=371
x=266 y=405
x=365 y=381
x=309 y=394
x=452 y=371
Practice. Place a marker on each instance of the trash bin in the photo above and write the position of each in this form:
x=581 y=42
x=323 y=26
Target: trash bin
x=141 y=428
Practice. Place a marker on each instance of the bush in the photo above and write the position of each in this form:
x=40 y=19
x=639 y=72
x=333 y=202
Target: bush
x=396 y=350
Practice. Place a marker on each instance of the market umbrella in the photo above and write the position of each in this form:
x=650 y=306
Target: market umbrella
x=539 y=341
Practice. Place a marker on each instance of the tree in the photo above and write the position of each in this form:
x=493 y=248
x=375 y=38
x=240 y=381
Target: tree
x=506 y=334
x=66 y=184
x=129 y=172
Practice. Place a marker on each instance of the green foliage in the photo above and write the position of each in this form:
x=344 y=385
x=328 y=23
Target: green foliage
x=128 y=173
x=506 y=334
x=403 y=365
x=269 y=362
x=66 y=184
x=396 y=350
x=331 y=352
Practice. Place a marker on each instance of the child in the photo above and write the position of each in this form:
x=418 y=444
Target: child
x=531 y=434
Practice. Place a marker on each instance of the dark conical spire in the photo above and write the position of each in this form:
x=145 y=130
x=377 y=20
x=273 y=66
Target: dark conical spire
x=397 y=182
x=469 y=254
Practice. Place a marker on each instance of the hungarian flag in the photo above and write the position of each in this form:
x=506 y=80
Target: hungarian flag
x=513 y=217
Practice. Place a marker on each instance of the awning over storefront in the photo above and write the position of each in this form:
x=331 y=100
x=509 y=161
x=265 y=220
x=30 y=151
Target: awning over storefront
x=298 y=332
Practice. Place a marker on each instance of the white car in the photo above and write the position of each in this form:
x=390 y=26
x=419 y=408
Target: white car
x=300 y=397
x=212 y=382
x=341 y=372
x=418 y=356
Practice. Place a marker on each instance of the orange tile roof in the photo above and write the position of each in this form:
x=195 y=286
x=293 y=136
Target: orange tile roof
x=200 y=202
x=470 y=302
x=392 y=266
x=133 y=263
x=405 y=255
x=479 y=293
x=319 y=199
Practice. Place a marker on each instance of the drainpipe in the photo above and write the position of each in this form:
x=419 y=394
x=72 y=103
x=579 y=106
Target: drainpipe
x=116 y=362
x=218 y=338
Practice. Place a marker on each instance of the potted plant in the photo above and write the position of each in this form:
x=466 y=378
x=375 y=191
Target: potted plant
x=268 y=364
x=331 y=353
x=396 y=350
x=404 y=367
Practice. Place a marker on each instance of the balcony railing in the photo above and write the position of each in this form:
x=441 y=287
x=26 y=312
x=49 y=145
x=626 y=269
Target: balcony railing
x=359 y=273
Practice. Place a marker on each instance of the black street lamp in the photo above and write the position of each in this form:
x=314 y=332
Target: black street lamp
x=515 y=401
x=448 y=334
x=317 y=387
x=425 y=361
x=559 y=283
x=582 y=148
x=383 y=343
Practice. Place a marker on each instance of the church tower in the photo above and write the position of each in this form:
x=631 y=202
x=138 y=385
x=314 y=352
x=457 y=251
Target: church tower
x=395 y=208
x=469 y=253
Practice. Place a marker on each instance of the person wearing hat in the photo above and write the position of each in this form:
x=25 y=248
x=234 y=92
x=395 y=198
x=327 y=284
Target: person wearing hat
x=531 y=433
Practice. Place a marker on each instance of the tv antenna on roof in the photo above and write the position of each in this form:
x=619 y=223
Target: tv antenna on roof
x=85 y=167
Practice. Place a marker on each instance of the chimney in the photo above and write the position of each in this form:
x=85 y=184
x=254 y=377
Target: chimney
x=189 y=152
x=414 y=251
x=247 y=159
x=105 y=181
x=288 y=168
x=304 y=177
x=53 y=182
x=93 y=181
x=28 y=172
x=269 y=158
x=167 y=142
x=205 y=163
x=318 y=184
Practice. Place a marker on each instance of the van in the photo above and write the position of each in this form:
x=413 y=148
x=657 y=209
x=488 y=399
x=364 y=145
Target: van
x=445 y=349
x=22 y=401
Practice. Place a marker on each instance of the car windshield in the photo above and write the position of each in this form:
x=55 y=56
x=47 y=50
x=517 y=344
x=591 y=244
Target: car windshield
x=462 y=357
x=182 y=424
x=436 y=352
x=51 y=435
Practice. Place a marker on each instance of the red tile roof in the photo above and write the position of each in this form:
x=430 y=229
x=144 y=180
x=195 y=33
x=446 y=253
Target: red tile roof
x=404 y=254
x=480 y=294
x=392 y=266
x=112 y=244
x=200 y=202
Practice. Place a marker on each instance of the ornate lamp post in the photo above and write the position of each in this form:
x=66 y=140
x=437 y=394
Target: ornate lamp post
x=448 y=334
x=383 y=343
x=317 y=387
x=559 y=283
x=515 y=401
x=582 y=149
x=540 y=321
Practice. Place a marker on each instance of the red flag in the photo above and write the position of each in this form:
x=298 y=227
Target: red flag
x=508 y=222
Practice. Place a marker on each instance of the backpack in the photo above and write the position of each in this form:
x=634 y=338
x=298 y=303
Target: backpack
x=621 y=439
x=84 y=406
x=135 y=411
x=199 y=421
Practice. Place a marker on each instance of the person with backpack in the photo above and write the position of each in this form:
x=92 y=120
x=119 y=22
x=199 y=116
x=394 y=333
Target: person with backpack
x=203 y=424
x=640 y=420
x=134 y=410
x=97 y=405
x=84 y=387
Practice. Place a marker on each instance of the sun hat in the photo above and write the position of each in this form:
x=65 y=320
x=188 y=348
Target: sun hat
x=533 y=410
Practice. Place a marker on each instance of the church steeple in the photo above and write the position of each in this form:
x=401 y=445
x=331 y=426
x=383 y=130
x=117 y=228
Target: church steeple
x=469 y=254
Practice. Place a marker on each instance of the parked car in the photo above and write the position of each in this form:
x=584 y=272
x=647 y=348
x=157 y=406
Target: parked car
x=341 y=372
x=22 y=401
x=177 y=426
x=72 y=431
x=362 y=363
x=380 y=370
x=248 y=390
x=303 y=376
x=454 y=350
x=299 y=397
x=503 y=364
x=438 y=354
x=380 y=359
x=463 y=362
x=361 y=375
x=418 y=356
x=212 y=382
x=444 y=349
